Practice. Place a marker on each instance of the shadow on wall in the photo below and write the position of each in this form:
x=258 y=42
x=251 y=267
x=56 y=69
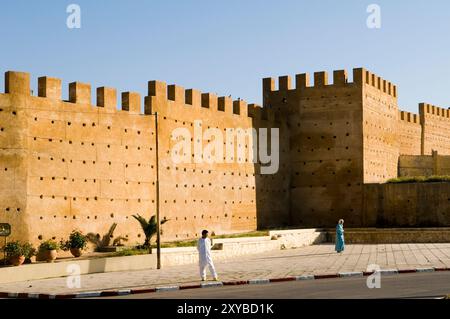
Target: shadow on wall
x=272 y=189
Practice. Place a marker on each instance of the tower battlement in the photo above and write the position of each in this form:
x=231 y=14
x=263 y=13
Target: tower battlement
x=321 y=79
x=430 y=109
x=409 y=117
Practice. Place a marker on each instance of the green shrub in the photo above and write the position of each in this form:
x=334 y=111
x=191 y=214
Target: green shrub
x=16 y=249
x=48 y=245
x=76 y=240
x=28 y=250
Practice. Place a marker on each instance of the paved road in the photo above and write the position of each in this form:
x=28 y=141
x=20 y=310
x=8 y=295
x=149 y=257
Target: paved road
x=416 y=285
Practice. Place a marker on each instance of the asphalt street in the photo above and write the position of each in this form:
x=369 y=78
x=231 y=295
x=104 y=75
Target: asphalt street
x=416 y=285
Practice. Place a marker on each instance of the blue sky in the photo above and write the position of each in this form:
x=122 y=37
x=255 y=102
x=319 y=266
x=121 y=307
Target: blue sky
x=227 y=47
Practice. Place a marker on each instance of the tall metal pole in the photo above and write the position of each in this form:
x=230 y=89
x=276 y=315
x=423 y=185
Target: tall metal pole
x=158 y=222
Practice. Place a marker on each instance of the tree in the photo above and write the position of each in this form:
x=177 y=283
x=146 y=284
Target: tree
x=150 y=228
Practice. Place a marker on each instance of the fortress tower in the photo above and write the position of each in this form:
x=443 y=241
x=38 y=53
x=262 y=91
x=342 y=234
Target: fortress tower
x=341 y=135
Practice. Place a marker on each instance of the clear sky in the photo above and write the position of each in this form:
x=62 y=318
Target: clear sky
x=227 y=47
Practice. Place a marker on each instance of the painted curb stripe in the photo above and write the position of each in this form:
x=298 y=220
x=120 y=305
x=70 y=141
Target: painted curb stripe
x=441 y=269
x=235 y=283
x=168 y=288
x=211 y=284
x=88 y=294
x=406 y=271
x=258 y=281
x=388 y=271
x=108 y=293
x=305 y=277
x=282 y=279
x=143 y=290
x=326 y=276
x=190 y=287
x=424 y=269
x=33 y=296
x=351 y=274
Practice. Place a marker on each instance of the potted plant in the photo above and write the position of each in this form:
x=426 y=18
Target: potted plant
x=76 y=243
x=48 y=250
x=15 y=253
x=28 y=251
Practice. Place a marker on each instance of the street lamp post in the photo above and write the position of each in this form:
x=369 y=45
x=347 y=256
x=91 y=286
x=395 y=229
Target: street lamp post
x=158 y=222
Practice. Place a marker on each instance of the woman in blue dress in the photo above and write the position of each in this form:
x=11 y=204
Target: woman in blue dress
x=340 y=243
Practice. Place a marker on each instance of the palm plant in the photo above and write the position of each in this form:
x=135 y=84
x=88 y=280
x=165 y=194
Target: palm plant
x=150 y=228
x=105 y=241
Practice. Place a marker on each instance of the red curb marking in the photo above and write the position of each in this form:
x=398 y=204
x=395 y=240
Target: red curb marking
x=142 y=291
x=234 y=283
x=282 y=279
x=406 y=271
x=43 y=296
x=441 y=269
x=109 y=293
x=22 y=295
x=190 y=287
x=326 y=276
x=4 y=295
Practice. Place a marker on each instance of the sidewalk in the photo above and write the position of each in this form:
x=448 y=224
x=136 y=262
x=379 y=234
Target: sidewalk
x=312 y=260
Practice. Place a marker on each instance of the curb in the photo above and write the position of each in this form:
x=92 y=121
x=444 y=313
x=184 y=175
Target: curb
x=259 y=281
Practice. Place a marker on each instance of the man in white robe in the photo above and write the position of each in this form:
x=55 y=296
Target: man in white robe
x=204 y=256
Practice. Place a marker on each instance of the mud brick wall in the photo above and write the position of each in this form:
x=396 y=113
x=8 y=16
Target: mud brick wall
x=83 y=166
x=409 y=134
x=380 y=125
x=435 y=129
x=232 y=196
x=71 y=165
x=407 y=205
x=424 y=165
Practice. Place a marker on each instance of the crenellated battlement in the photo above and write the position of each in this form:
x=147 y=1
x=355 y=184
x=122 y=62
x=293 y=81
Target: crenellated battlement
x=380 y=84
x=175 y=96
x=159 y=93
x=426 y=108
x=79 y=93
x=409 y=117
x=321 y=80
